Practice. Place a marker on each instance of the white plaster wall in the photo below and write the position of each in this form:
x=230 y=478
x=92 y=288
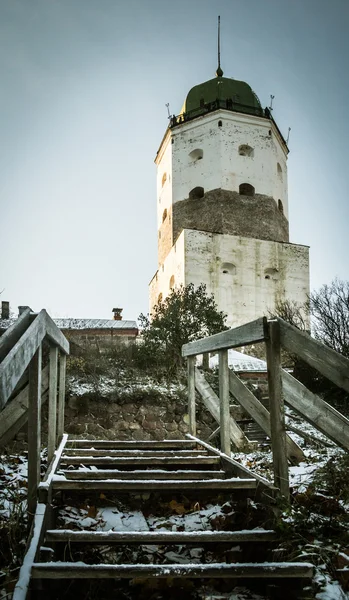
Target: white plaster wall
x=173 y=265
x=164 y=165
x=246 y=294
x=221 y=165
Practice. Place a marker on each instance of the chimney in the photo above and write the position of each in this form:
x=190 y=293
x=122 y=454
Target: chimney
x=5 y=310
x=117 y=314
x=21 y=309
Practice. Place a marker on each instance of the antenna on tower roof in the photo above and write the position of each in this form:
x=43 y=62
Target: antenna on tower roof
x=288 y=135
x=168 y=110
x=219 y=71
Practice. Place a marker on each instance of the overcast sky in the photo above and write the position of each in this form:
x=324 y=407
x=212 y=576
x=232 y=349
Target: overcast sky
x=82 y=112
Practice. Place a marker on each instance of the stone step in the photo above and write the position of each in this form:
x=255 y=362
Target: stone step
x=142 y=474
x=80 y=570
x=160 y=537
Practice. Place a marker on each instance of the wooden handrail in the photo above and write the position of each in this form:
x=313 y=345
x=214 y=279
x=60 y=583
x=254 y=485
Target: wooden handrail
x=14 y=332
x=328 y=362
x=18 y=358
x=251 y=333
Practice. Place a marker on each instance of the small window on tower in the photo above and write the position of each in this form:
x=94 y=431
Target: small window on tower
x=172 y=282
x=245 y=189
x=279 y=170
x=246 y=150
x=159 y=298
x=197 y=192
x=228 y=269
x=280 y=206
x=196 y=154
x=220 y=123
x=271 y=274
x=164 y=177
x=164 y=215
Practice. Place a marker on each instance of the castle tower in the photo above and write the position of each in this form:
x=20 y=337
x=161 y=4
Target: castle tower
x=222 y=205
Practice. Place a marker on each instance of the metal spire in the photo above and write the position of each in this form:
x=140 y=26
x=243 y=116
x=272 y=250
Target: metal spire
x=219 y=71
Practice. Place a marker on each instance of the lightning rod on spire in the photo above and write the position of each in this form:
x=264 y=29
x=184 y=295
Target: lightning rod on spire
x=219 y=71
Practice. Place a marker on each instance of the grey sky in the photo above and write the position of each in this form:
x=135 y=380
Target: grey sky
x=82 y=112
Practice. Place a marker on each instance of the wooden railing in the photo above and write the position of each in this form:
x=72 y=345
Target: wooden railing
x=21 y=361
x=283 y=388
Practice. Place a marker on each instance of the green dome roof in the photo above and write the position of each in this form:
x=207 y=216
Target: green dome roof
x=230 y=93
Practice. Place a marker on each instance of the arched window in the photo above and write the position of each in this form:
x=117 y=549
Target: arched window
x=271 y=274
x=197 y=192
x=196 y=154
x=279 y=170
x=220 y=123
x=228 y=268
x=280 y=206
x=159 y=298
x=172 y=282
x=164 y=215
x=245 y=189
x=246 y=150
x=163 y=181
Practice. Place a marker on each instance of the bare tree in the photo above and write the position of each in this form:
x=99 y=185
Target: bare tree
x=329 y=308
x=293 y=312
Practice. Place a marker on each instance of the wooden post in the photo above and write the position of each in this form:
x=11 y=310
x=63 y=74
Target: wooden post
x=61 y=395
x=191 y=395
x=224 y=401
x=276 y=408
x=52 y=403
x=206 y=361
x=34 y=429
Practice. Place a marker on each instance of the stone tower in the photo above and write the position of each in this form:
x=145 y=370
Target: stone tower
x=222 y=205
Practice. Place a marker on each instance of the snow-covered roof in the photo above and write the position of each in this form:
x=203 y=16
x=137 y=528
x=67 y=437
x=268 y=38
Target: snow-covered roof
x=241 y=362
x=71 y=323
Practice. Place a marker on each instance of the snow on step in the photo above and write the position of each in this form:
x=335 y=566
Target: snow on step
x=145 y=460
x=131 y=444
x=160 y=537
x=134 y=453
x=81 y=570
x=59 y=482
x=142 y=474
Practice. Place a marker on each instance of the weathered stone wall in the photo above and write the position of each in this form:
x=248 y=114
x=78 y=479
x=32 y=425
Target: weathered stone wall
x=223 y=211
x=157 y=419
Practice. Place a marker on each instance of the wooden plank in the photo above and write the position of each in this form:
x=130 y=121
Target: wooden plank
x=213 y=570
x=232 y=338
x=61 y=396
x=135 y=453
x=131 y=444
x=142 y=474
x=191 y=394
x=238 y=468
x=18 y=359
x=277 y=411
x=159 y=537
x=224 y=402
x=15 y=413
x=122 y=461
x=13 y=333
x=313 y=439
x=260 y=414
x=34 y=429
x=36 y=533
x=55 y=335
x=145 y=485
x=211 y=401
x=52 y=403
x=45 y=485
x=329 y=363
x=316 y=411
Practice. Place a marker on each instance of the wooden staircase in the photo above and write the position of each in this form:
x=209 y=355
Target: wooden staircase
x=69 y=562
